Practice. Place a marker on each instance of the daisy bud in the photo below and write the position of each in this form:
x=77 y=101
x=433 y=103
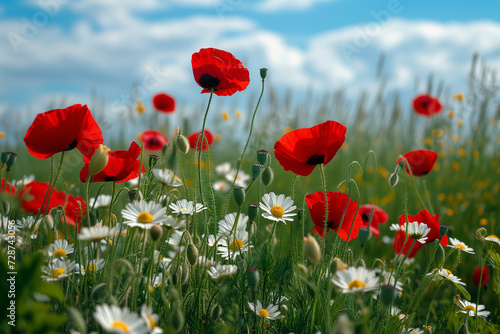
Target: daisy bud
x=253 y=210
x=216 y=312
x=153 y=159
x=256 y=169
x=443 y=229
x=177 y=319
x=252 y=277
x=99 y=160
x=262 y=156
x=192 y=254
x=239 y=195
x=394 y=178
x=182 y=144
x=477 y=278
x=155 y=232
x=267 y=176
x=389 y=294
x=364 y=235
x=10 y=161
x=311 y=249
x=263 y=73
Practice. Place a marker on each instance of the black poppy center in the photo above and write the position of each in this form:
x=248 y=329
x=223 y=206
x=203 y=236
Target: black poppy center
x=209 y=82
x=316 y=159
x=426 y=104
x=72 y=145
x=109 y=178
x=365 y=216
x=154 y=141
x=332 y=225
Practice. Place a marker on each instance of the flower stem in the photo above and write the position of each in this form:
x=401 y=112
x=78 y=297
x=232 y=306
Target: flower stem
x=199 y=146
x=323 y=183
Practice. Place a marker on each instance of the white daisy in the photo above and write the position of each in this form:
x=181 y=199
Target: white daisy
x=455 y=243
x=277 y=208
x=144 y=214
x=175 y=223
x=160 y=257
x=493 y=238
x=150 y=319
x=467 y=307
x=445 y=274
x=101 y=201
x=232 y=246
x=226 y=226
x=206 y=262
x=117 y=320
x=97 y=232
x=241 y=179
x=211 y=240
x=58 y=269
x=133 y=182
x=395 y=228
x=417 y=231
x=221 y=272
x=223 y=168
x=28 y=223
x=60 y=248
x=167 y=177
x=158 y=280
x=24 y=181
x=415 y=331
x=92 y=266
x=352 y=280
x=186 y=207
x=222 y=186
x=175 y=238
x=270 y=313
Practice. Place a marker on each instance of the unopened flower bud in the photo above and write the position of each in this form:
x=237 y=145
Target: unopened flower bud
x=192 y=254
x=239 y=195
x=252 y=277
x=156 y=231
x=311 y=249
x=394 y=178
x=337 y=265
x=48 y=222
x=153 y=159
x=443 y=229
x=302 y=270
x=182 y=144
x=262 y=156
x=256 y=169
x=216 y=312
x=10 y=161
x=99 y=160
x=177 y=319
x=263 y=73
x=364 y=235
x=185 y=273
x=267 y=176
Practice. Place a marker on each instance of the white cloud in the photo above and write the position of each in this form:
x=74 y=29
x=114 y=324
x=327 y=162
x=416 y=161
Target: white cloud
x=280 y=5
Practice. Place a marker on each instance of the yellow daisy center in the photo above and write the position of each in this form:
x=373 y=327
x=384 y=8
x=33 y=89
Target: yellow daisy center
x=462 y=247
x=493 y=237
x=263 y=313
x=236 y=244
x=90 y=267
x=159 y=256
x=447 y=271
x=470 y=308
x=277 y=211
x=59 y=252
x=58 y=272
x=145 y=217
x=120 y=325
x=356 y=284
x=152 y=323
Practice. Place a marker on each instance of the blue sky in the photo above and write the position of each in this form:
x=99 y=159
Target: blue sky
x=132 y=49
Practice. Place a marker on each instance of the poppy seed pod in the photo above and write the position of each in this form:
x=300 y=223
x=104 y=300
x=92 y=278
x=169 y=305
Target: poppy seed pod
x=256 y=169
x=155 y=232
x=443 y=229
x=389 y=294
x=263 y=73
x=11 y=159
x=99 y=160
x=182 y=144
x=267 y=176
x=252 y=277
x=132 y=195
x=364 y=235
x=262 y=156
x=253 y=210
x=239 y=195
x=311 y=249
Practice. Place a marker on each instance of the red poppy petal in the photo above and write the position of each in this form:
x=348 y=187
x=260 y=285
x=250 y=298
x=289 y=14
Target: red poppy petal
x=153 y=140
x=164 y=103
x=421 y=162
x=426 y=105
x=195 y=137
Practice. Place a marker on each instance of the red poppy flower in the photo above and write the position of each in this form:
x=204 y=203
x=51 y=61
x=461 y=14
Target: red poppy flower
x=193 y=140
x=61 y=130
x=379 y=217
x=427 y=105
x=219 y=70
x=164 y=103
x=122 y=166
x=7 y=188
x=476 y=276
x=336 y=205
x=422 y=217
x=32 y=196
x=420 y=161
x=153 y=140
x=302 y=149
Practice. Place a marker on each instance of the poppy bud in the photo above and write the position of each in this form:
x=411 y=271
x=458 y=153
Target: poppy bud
x=252 y=277
x=48 y=222
x=262 y=156
x=311 y=249
x=364 y=235
x=99 y=160
x=11 y=160
x=263 y=73
x=177 y=319
x=253 y=210
x=182 y=144
x=184 y=273
x=267 y=176
x=256 y=169
x=216 y=312
x=239 y=195
x=394 y=178
x=153 y=159
x=302 y=270
x=337 y=265
x=476 y=276
x=389 y=294
x=4 y=157
x=155 y=232
x=192 y=254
